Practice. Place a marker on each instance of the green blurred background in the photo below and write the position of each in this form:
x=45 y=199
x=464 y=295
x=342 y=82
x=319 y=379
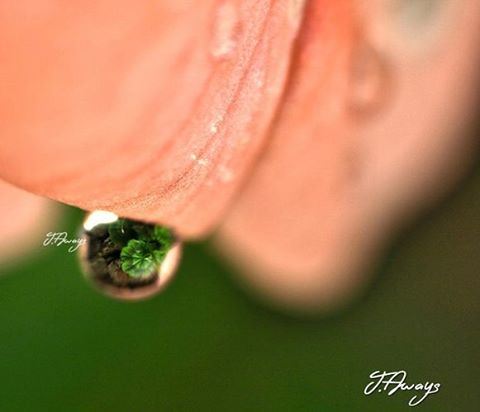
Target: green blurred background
x=205 y=345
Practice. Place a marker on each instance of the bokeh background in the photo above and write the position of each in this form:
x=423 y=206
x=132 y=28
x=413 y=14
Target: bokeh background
x=207 y=345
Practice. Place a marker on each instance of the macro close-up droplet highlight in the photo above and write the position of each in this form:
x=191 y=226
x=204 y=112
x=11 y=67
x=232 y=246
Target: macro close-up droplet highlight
x=127 y=259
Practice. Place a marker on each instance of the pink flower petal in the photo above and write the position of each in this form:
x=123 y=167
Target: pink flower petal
x=152 y=110
x=355 y=150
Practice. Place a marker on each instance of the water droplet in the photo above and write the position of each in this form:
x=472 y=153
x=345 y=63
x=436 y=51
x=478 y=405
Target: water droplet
x=370 y=81
x=127 y=259
x=225 y=30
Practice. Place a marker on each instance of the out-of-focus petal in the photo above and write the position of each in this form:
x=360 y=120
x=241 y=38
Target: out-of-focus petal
x=373 y=128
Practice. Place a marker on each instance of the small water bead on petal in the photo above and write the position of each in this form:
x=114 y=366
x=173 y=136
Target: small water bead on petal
x=127 y=259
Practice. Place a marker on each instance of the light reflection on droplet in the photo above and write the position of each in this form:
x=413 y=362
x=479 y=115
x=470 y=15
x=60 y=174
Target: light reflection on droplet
x=103 y=256
x=98 y=217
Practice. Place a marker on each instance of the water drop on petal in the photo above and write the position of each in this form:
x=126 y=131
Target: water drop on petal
x=127 y=259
